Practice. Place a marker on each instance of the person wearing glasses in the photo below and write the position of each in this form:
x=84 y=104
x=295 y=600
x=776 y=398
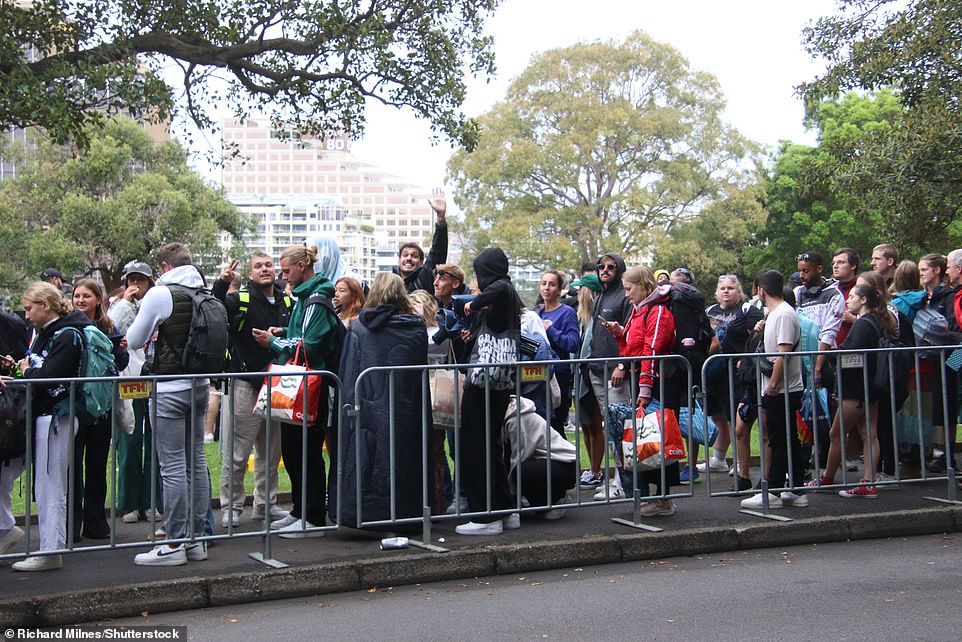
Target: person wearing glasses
x=682 y=275
x=604 y=380
x=418 y=272
x=820 y=300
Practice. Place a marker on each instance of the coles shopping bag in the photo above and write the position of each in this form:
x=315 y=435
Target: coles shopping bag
x=285 y=390
x=644 y=449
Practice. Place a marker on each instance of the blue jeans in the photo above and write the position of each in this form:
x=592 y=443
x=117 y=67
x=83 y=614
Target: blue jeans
x=179 y=429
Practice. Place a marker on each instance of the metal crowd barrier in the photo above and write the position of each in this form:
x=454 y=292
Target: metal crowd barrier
x=911 y=416
x=346 y=425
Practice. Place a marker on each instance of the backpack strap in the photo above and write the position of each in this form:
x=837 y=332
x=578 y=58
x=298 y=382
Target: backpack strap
x=243 y=305
x=83 y=347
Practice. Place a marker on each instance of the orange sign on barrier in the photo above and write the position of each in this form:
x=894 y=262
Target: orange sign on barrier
x=534 y=373
x=134 y=389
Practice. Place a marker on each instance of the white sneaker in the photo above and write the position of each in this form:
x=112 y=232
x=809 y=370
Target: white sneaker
x=794 y=500
x=886 y=482
x=473 y=528
x=455 y=508
x=39 y=563
x=10 y=539
x=553 y=514
x=230 y=518
x=131 y=518
x=714 y=465
x=153 y=515
x=162 y=555
x=614 y=490
x=851 y=465
x=755 y=501
x=276 y=512
x=512 y=522
x=287 y=520
x=196 y=552
x=295 y=530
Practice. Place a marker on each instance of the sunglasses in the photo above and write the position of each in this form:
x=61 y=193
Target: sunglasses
x=806 y=257
x=605 y=267
x=445 y=275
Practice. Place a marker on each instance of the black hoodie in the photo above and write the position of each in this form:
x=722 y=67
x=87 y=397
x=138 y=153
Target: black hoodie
x=497 y=292
x=60 y=357
x=612 y=305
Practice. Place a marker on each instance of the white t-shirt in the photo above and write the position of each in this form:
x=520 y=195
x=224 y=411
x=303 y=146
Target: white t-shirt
x=782 y=327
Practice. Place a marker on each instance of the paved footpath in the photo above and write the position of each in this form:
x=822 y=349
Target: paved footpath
x=101 y=584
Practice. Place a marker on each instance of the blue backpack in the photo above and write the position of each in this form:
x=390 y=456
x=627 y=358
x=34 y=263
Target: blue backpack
x=96 y=360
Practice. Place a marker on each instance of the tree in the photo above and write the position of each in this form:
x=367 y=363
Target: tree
x=595 y=147
x=120 y=199
x=719 y=240
x=310 y=65
x=911 y=173
x=809 y=207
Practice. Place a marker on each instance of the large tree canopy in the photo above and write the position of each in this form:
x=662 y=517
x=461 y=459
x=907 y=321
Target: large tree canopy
x=120 y=199
x=310 y=64
x=595 y=146
x=911 y=173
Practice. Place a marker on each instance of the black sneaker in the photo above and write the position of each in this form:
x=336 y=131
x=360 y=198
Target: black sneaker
x=741 y=483
x=936 y=464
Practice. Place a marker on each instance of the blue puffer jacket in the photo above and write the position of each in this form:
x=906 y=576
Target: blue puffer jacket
x=381 y=336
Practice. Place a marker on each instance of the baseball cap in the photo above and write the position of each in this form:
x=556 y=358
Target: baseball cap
x=590 y=281
x=138 y=267
x=50 y=273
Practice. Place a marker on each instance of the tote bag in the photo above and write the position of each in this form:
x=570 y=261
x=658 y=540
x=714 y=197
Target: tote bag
x=644 y=450
x=285 y=390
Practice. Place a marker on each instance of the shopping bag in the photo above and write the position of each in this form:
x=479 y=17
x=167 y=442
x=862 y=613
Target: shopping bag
x=644 y=449
x=694 y=426
x=445 y=397
x=285 y=390
x=812 y=415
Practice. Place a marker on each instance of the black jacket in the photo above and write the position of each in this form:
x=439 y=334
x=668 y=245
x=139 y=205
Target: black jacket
x=382 y=336
x=612 y=305
x=423 y=277
x=60 y=358
x=245 y=353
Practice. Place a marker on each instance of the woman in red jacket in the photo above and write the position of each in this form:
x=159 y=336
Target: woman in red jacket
x=650 y=332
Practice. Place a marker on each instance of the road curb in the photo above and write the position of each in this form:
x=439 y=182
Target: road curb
x=414 y=568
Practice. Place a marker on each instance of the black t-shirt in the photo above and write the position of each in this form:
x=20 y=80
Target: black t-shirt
x=864 y=335
x=733 y=326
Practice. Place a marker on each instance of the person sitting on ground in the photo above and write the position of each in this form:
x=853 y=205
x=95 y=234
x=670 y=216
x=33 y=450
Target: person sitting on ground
x=542 y=454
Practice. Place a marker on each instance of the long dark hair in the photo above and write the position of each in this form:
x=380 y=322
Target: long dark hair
x=877 y=308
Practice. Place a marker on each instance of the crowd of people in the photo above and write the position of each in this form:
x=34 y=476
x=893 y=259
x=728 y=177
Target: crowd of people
x=506 y=451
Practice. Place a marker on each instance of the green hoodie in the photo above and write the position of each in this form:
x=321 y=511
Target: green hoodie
x=313 y=324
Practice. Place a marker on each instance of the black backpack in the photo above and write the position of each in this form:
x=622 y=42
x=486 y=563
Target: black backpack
x=687 y=306
x=208 y=336
x=340 y=332
x=902 y=364
x=13 y=421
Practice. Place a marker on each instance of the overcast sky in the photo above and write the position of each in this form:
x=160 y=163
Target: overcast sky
x=753 y=47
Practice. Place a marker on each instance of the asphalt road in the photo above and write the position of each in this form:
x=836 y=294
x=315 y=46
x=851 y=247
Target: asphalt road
x=894 y=589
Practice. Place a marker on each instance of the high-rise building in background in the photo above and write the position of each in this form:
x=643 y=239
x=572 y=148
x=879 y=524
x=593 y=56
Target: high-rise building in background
x=298 y=187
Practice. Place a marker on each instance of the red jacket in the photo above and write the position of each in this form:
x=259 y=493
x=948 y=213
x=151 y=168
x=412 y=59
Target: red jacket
x=650 y=331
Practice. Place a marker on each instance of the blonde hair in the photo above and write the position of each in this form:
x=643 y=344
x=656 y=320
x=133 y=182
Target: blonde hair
x=43 y=292
x=640 y=275
x=426 y=306
x=586 y=302
x=388 y=289
x=102 y=321
x=300 y=254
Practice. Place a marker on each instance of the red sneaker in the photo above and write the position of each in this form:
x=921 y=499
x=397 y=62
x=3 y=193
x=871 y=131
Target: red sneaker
x=866 y=492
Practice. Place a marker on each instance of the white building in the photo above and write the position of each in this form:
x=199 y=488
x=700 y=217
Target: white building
x=294 y=185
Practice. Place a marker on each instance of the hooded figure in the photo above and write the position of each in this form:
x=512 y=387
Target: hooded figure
x=384 y=335
x=612 y=305
x=497 y=319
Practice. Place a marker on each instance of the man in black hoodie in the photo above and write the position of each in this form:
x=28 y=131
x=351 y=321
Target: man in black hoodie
x=605 y=379
x=418 y=273
x=259 y=304
x=487 y=392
